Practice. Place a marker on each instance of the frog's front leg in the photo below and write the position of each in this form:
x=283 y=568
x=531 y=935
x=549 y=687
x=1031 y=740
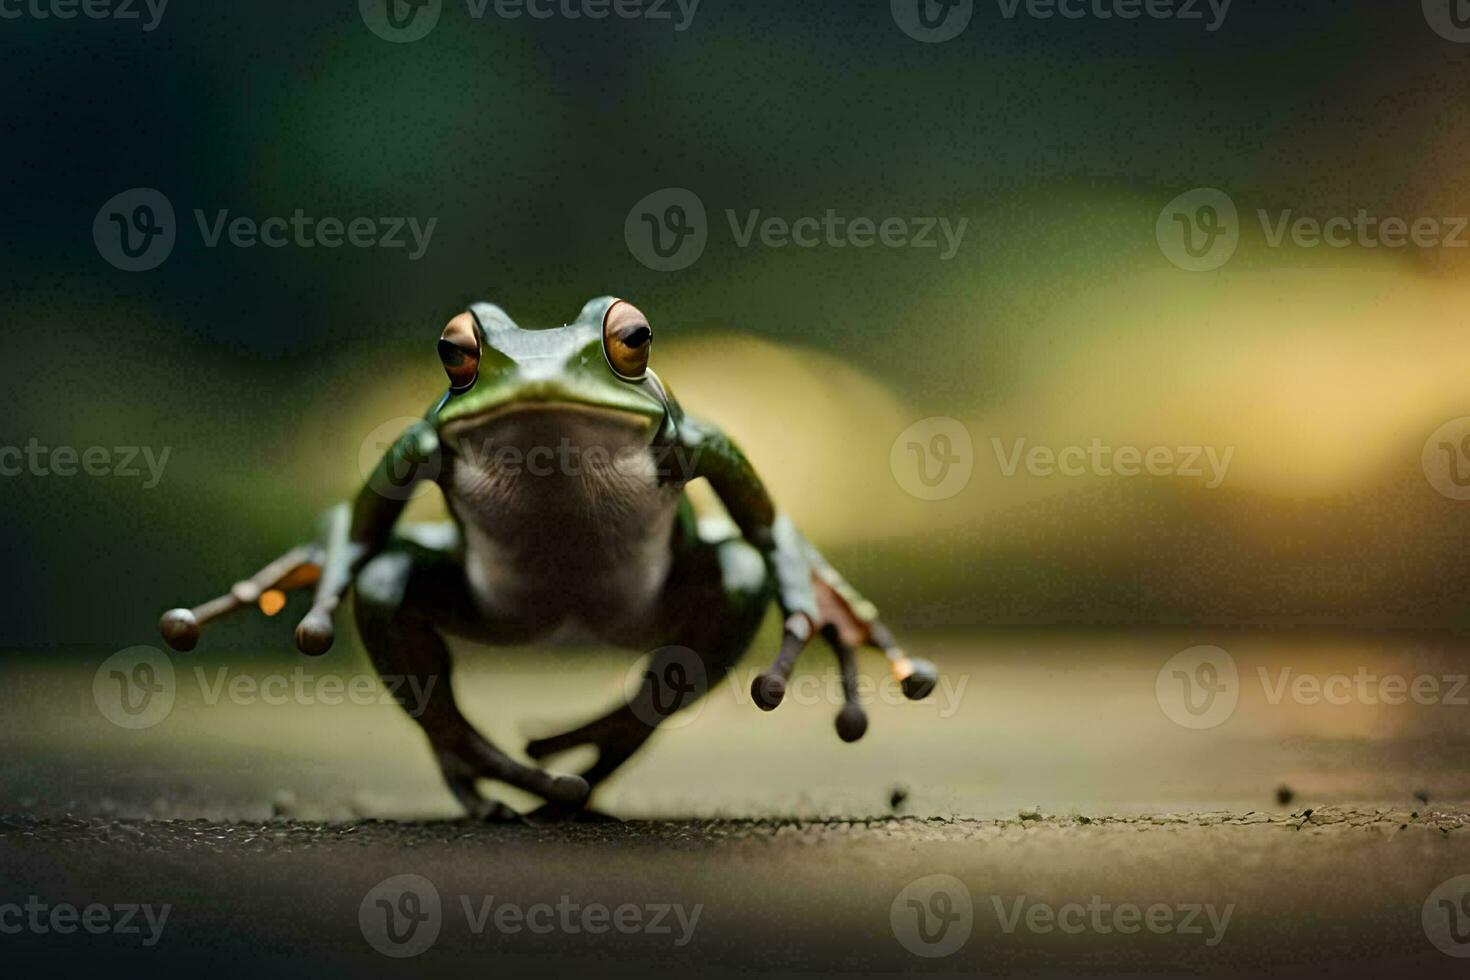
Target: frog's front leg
x=812 y=596
x=351 y=534
x=298 y=567
x=406 y=597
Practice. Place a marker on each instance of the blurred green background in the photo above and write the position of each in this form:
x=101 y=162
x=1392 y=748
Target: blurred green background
x=263 y=371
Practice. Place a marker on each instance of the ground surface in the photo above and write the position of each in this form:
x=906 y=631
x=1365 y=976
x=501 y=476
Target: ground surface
x=1076 y=827
x=1338 y=892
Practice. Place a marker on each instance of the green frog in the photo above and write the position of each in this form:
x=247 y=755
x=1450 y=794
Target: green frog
x=564 y=460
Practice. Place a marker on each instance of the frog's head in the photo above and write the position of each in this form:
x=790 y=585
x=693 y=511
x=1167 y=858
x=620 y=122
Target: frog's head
x=593 y=370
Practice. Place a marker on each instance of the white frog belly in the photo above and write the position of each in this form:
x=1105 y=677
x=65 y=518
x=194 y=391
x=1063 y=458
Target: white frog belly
x=574 y=541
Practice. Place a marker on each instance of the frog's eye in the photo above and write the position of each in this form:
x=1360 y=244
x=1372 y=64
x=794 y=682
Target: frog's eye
x=626 y=340
x=459 y=350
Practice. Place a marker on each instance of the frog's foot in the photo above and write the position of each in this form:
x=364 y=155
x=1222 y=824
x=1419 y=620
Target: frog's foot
x=616 y=736
x=463 y=783
x=468 y=757
x=266 y=589
x=478 y=806
x=852 y=720
x=846 y=621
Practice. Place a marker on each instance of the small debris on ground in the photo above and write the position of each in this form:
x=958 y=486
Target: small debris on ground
x=283 y=804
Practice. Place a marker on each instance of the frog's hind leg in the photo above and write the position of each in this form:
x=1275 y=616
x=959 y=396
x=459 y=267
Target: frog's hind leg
x=716 y=599
x=404 y=597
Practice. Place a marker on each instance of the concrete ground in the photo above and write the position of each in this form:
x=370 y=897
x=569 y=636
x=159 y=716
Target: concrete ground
x=1341 y=891
x=1046 y=816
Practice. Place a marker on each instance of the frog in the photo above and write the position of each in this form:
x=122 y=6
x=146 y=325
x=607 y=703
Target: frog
x=565 y=463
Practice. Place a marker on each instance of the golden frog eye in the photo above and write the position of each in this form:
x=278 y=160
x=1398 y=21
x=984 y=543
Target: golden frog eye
x=626 y=340
x=459 y=350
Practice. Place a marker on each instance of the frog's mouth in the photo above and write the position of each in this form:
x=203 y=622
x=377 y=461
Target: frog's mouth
x=555 y=430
